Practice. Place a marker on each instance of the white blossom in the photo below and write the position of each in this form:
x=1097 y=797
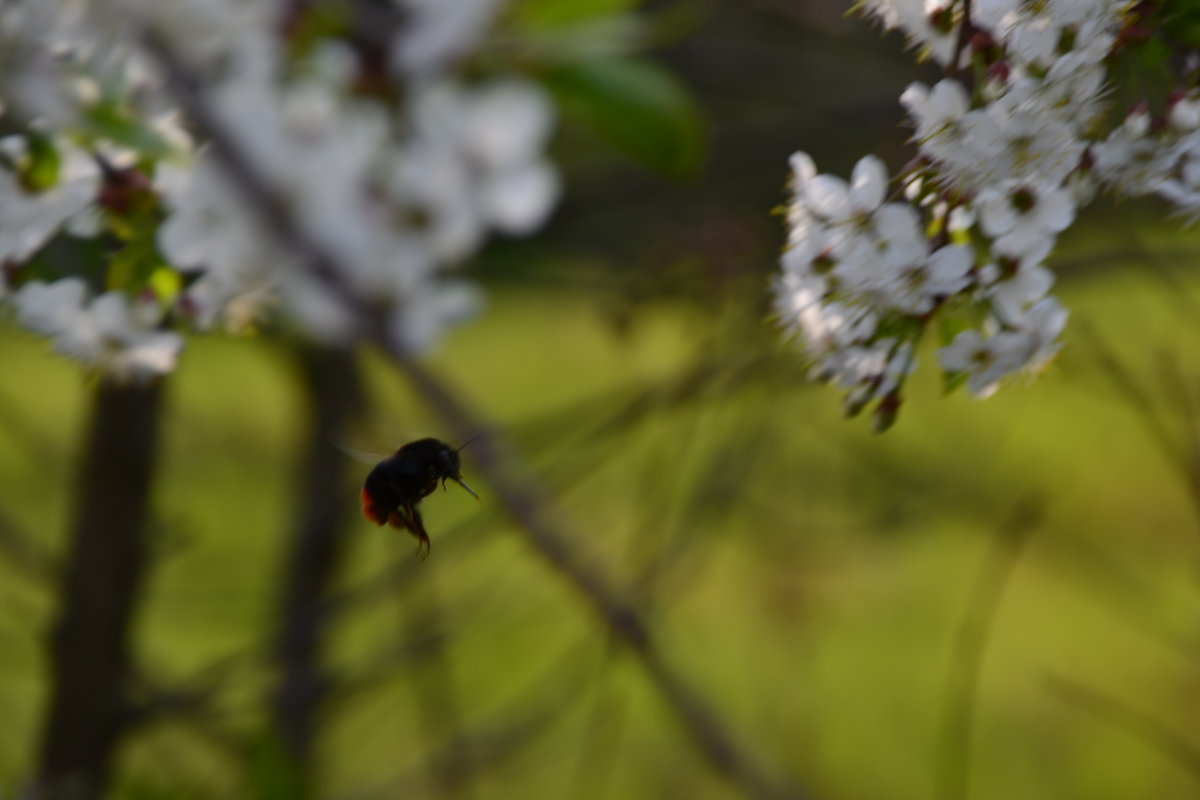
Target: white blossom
x=113 y=338
x=984 y=360
x=1012 y=138
x=1184 y=113
x=393 y=200
x=28 y=219
x=474 y=162
x=47 y=308
x=1042 y=324
x=1132 y=159
x=395 y=193
x=915 y=287
x=107 y=333
x=211 y=230
x=1012 y=298
x=931 y=26
x=1025 y=217
x=436 y=32
x=1182 y=186
x=1003 y=166
x=938 y=115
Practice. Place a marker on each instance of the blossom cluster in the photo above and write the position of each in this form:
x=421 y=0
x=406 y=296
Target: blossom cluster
x=362 y=129
x=1009 y=146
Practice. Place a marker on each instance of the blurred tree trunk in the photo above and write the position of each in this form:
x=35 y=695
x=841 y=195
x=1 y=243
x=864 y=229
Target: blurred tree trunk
x=316 y=550
x=99 y=594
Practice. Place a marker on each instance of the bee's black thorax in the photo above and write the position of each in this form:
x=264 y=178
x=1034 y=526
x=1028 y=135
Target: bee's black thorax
x=396 y=484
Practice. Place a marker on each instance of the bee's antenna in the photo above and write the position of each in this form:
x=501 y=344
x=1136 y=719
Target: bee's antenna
x=463 y=484
x=467 y=442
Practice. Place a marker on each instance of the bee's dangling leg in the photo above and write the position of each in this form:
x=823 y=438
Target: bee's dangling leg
x=417 y=528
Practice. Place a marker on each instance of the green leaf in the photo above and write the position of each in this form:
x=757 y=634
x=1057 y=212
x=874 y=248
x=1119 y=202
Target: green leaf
x=953 y=381
x=165 y=282
x=1181 y=20
x=637 y=106
x=950 y=325
x=1154 y=53
x=1189 y=32
x=136 y=262
x=65 y=256
x=108 y=121
x=40 y=172
x=537 y=14
x=131 y=268
x=898 y=326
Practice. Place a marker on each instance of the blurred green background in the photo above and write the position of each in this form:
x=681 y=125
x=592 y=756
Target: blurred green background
x=832 y=592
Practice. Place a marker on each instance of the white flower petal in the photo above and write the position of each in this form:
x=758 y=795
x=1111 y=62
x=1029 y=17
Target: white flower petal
x=1011 y=299
x=804 y=169
x=949 y=263
x=507 y=121
x=111 y=313
x=1025 y=244
x=828 y=196
x=519 y=200
x=868 y=184
x=1056 y=210
x=898 y=223
x=49 y=308
x=996 y=213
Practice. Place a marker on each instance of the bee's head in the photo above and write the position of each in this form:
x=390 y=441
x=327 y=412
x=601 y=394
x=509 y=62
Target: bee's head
x=449 y=467
x=447 y=462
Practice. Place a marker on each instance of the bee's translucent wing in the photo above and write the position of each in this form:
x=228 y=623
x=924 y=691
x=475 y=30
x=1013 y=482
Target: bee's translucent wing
x=363 y=456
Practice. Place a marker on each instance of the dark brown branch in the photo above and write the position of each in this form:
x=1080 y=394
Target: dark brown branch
x=316 y=549
x=89 y=652
x=270 y=207
x=519 y=495
x=966 y=29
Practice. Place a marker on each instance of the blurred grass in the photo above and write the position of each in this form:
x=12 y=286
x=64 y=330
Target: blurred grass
x=806 y=574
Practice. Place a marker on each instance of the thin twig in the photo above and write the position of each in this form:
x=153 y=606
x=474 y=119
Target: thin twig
x=1133 y=721
x=523 y=502
x=518 y=494
x=1130 y=387
x=40 y=449
x=962 y=686
x=605 y=722
x=1172 y=379
x=1110 y=580
x=24 y=555
x=1182 y=448
x=449 y=766
x=547 y=697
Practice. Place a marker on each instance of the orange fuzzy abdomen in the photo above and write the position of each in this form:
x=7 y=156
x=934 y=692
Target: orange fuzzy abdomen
x=371 y=509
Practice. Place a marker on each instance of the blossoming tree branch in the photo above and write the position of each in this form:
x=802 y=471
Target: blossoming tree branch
x=119 y=230
x=1029 y=125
